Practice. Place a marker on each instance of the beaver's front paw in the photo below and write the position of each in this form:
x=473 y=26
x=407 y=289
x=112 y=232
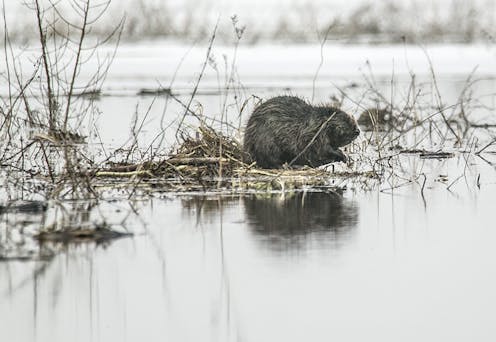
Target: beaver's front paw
x=342 y=158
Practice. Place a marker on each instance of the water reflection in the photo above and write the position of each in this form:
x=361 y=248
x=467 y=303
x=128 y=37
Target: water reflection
x=283 y=221
x=38 y=230
x=206 y=209
x=212 y=263
x=296 y=220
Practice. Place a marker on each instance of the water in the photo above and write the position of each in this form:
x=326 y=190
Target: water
x=313 y=266
x=401 y=262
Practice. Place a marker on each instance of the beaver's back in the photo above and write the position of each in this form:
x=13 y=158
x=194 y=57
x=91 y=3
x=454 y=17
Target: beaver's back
x=280 y=108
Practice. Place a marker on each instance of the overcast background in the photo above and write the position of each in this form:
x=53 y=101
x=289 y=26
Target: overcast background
x=293 y=20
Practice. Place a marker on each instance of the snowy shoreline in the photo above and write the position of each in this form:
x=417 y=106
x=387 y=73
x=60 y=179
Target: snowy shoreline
x=151 y=64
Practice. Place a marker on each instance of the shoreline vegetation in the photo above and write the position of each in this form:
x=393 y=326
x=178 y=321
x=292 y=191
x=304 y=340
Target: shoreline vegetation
x=44 y=156
x=368 y=22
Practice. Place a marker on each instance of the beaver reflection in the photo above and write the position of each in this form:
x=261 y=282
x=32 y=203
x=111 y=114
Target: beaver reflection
x=294 y=220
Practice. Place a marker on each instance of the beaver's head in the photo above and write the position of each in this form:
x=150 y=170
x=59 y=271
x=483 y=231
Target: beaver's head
x=342 y=128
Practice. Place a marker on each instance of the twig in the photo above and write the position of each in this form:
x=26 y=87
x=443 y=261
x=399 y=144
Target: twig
x=422 y=189
x=195 y=89
x=486 y=146
x=452 y=183
x=438 y=93
x=321 y=62
x=44 y=55
x=76 y=62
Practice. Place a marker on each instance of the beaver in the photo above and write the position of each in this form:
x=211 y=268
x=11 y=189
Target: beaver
x=286 y=129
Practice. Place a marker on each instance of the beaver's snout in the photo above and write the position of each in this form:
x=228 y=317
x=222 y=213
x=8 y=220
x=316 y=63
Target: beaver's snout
x=356 y=132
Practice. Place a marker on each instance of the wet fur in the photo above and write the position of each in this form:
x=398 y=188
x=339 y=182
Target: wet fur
x=282 y=127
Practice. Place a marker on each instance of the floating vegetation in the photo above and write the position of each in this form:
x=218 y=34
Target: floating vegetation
x=27 y=207
x=436 y=155
x=154 y=92
x=90 y=94
x=79 y=234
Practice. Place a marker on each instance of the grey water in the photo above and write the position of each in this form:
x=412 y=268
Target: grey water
x=402 y=261
x=303 y=266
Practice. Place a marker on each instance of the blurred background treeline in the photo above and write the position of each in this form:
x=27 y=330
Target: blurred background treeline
x=296 y=21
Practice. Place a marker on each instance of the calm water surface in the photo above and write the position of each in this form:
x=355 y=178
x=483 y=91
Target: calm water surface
x=292 y=267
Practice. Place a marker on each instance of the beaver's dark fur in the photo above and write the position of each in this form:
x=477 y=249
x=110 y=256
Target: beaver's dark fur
x=284 y=129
